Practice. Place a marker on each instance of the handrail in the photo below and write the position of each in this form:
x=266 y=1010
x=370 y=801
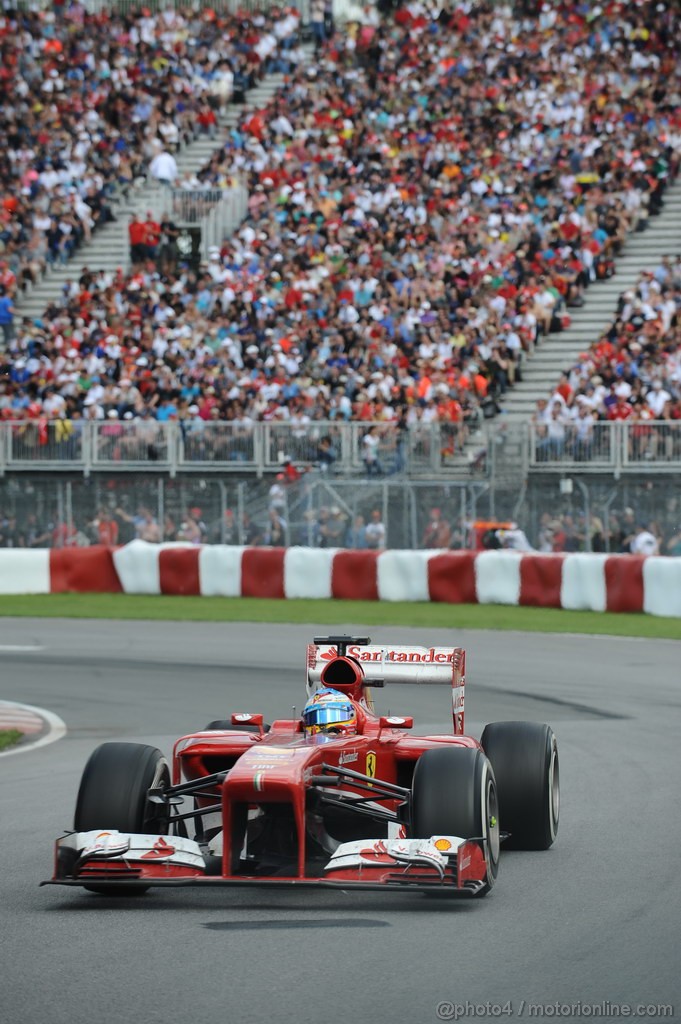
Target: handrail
x=338 y=448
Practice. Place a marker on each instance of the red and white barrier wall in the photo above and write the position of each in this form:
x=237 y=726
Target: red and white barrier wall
x=617 y=583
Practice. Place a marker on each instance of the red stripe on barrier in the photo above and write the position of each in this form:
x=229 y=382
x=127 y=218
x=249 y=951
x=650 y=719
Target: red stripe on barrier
x=451 y=578
x=624 y=583
x=354 y=576
x=540 y=580
x=83 y=571
x=262 y=572
x=178 y=570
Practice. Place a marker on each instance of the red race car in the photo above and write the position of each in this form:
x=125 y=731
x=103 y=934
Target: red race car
x=341 y=797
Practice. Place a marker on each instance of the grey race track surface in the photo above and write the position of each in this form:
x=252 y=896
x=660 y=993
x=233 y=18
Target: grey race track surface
x=595 y=918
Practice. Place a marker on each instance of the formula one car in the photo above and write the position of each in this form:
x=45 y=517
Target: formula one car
x=362 y=805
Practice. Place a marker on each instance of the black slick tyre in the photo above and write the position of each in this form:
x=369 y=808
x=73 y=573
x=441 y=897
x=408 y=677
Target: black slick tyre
x=524 y=756
x=113 y=795
x=454 y=793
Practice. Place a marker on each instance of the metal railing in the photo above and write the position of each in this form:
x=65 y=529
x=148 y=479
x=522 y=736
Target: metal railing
x=615 y=447
x=223 y=218
x=336 y=449
x=218 y=211
x=554 y=444
x=156 y=6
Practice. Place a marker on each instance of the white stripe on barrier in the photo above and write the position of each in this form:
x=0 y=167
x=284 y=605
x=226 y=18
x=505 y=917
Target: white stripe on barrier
x=220 y=570
x=137 y=567
x=583 y=584
x=24 y=571
x=403 y=575
x=307 y=572
x=662 y=586
x=497 y=577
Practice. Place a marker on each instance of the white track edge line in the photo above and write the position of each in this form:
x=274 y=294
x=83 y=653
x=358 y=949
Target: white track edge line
x=57 y=729
x=21 y=647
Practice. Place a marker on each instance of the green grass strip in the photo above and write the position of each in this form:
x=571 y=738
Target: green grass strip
x=337 y=613
x=8 y=738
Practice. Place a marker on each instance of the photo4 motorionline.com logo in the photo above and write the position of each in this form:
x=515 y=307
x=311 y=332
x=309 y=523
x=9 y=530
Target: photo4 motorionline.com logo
x=605 y=1010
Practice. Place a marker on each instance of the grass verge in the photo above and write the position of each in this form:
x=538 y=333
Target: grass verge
x=337 y=613
x=8 y=737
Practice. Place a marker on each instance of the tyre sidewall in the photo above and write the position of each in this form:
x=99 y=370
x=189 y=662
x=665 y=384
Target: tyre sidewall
x=114 y=786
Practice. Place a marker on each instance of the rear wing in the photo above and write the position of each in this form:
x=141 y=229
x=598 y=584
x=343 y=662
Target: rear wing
x=380 y=664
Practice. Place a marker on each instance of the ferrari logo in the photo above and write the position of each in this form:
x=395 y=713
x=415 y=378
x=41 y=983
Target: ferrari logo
x=371 y=765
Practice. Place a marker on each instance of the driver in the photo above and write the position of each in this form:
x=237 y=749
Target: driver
x=329 y=711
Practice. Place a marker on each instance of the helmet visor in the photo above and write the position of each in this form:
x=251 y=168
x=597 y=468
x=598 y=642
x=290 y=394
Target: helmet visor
x=322 y=716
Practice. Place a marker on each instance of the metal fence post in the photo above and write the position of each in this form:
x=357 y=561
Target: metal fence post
x=620 y=439
x=69 y=508
x=60 y=515
x=414 y=518
x=87 y=448
x=587 y=510
x=223 y=511
x=462 y=512
x=173 y=447
x=606 y=517
x=240 y=510
x=161 y=507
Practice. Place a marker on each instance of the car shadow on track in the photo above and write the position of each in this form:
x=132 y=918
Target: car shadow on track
x=287 y=922
x=412 y=903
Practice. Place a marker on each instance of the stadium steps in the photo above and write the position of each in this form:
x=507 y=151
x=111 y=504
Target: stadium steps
x=109 y=248
x=559 y=352
x=497 y=446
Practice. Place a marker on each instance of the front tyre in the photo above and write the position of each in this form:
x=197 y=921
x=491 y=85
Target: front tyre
x=454 y=793
x=524 y=756
x=113 y=795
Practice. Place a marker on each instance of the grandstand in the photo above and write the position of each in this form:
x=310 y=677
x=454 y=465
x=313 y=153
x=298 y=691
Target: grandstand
x=424 y=250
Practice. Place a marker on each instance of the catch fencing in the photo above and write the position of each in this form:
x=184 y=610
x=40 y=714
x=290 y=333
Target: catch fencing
x=56 y=510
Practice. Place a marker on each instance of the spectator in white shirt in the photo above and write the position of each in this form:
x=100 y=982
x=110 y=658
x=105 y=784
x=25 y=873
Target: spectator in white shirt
x=657 y=398
x=644 y=543
x=164 y=168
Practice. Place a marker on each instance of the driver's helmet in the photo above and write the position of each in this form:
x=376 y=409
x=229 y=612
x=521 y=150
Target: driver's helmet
x=329 y=711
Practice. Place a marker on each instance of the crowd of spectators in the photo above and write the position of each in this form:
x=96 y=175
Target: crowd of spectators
x=91 y=103
x=428 y=198
x=631 y=374
x=330 y=526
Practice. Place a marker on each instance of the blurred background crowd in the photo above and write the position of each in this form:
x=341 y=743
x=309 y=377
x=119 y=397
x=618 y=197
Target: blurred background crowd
x=415 y=228
x=333 y=526
x=632 y=374
x=435 y=189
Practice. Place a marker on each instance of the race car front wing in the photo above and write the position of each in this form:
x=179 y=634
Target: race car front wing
x=107 y=861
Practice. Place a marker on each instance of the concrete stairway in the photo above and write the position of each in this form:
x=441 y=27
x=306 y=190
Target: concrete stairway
x=109 y=247
x=558 y=352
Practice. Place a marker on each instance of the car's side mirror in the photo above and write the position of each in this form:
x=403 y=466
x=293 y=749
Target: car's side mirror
x=396 y=722
x=242 y=718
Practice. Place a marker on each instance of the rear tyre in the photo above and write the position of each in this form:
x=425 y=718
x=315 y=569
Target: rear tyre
x=524 y=756
x=113 y=795
x=454 y=793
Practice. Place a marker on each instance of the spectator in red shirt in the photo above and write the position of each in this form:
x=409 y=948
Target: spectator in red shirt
x=152 y=235
x=621 y=410
x=137 y=233
x=107 y=528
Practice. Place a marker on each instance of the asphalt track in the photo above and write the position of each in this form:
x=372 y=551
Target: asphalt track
x=595 y=918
